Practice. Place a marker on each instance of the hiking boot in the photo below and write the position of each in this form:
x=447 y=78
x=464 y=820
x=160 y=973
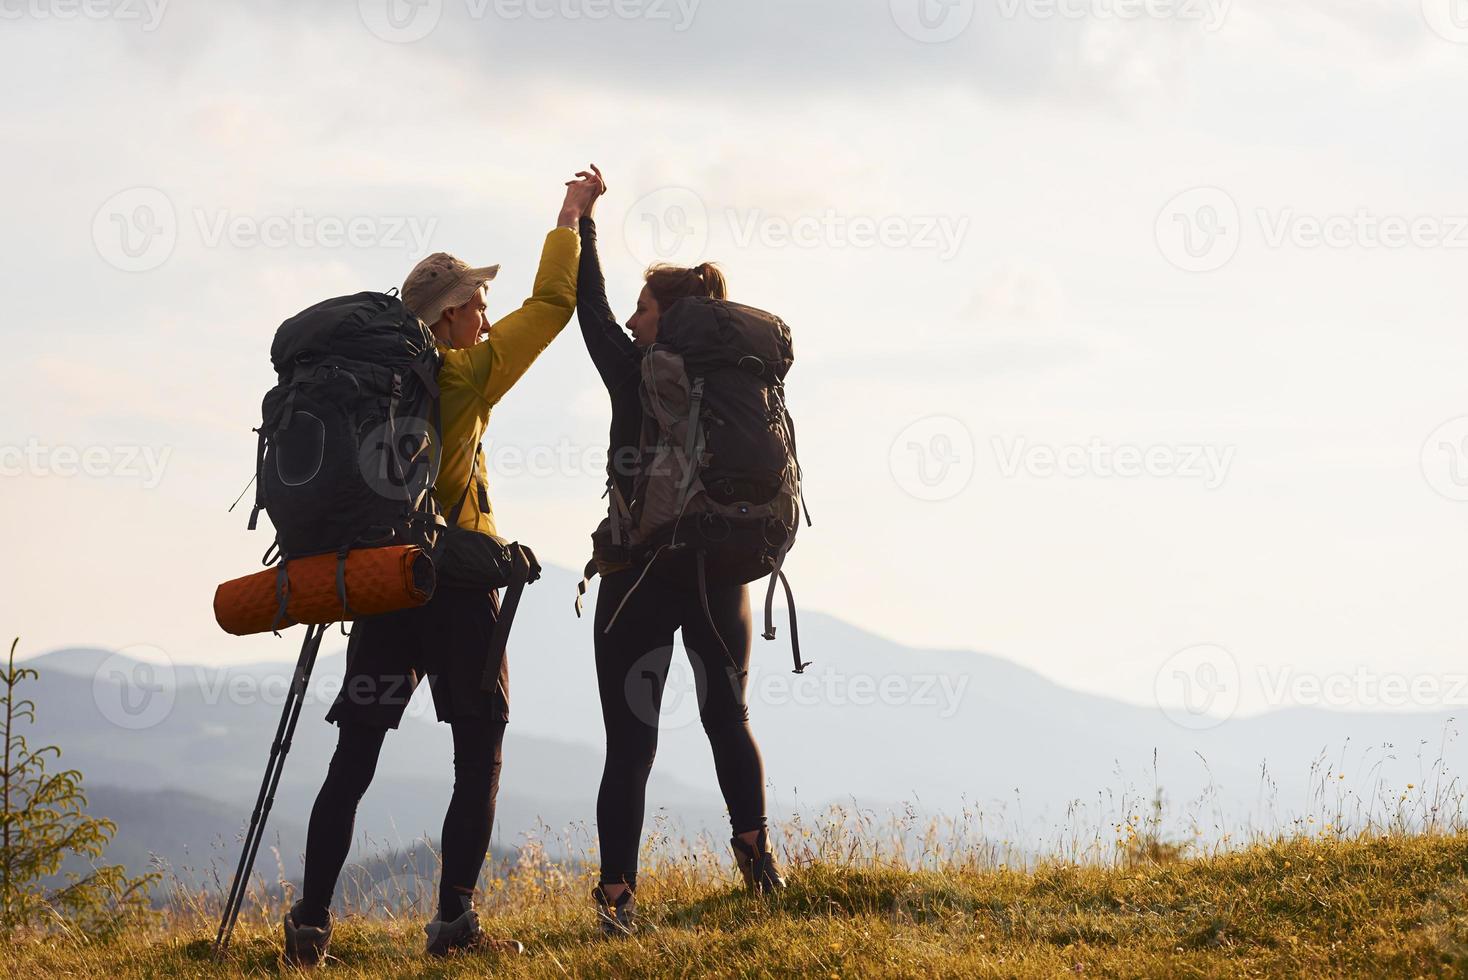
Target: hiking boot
x=616 y=918
x=305 y=945
x=757 y=865
x=464 y=934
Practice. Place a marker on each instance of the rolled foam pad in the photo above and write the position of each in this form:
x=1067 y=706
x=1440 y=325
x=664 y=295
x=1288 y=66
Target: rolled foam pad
x=378 y=580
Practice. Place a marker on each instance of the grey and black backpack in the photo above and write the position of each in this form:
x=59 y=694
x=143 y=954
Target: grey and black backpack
x=717 y=480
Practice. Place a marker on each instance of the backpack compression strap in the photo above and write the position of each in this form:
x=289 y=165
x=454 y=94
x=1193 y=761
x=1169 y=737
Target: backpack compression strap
x=619 y=520
x=587 y=574
x=703 y=599
x=692 y=447
x=281 y=420
x=524 y=569
x=341 y=583
x=794 y=630
x=777 y=574
x=619 y=510
x=283 y=593
x=259 y=483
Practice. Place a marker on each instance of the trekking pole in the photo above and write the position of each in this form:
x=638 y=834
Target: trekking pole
x=278 y=749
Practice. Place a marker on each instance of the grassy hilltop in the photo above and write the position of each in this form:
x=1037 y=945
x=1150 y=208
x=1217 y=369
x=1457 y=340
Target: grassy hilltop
x=1380 y=906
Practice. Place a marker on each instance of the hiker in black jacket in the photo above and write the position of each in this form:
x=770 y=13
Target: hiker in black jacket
x=633 y=658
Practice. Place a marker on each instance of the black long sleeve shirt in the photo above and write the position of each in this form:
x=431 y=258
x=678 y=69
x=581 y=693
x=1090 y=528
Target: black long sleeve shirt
x=618 y=360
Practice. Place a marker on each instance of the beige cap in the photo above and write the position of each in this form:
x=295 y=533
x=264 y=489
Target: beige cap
x=442 y=281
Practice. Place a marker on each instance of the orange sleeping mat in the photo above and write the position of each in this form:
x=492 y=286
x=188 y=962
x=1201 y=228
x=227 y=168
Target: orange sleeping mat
x=378 y=580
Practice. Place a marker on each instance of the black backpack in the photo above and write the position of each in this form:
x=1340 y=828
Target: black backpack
x=348 y=446
x=717 y=481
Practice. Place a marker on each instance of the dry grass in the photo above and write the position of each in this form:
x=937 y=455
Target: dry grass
x=1369 y=905
x=1371 y=885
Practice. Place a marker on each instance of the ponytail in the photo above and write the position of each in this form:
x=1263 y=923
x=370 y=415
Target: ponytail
x=670 y=283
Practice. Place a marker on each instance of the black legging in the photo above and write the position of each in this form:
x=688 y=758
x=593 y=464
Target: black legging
x=632 y=668
x=478 y=745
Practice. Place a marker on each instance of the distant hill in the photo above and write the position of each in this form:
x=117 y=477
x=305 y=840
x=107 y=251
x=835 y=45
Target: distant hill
x=183 y=787
x=184 y=833
x=187 y=837
x=954 y=731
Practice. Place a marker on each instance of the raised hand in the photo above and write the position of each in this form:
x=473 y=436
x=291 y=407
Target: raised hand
x=583 y=192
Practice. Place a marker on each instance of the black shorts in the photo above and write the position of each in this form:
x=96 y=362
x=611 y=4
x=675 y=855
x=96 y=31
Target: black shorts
x=447 y=641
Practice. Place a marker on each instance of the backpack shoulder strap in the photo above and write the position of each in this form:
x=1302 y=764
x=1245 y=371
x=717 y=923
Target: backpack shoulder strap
x=473 y=483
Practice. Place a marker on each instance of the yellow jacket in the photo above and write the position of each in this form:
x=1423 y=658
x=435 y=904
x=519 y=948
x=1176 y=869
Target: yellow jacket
x=473 y=379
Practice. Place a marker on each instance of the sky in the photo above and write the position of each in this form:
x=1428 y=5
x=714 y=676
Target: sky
x=1128 y=332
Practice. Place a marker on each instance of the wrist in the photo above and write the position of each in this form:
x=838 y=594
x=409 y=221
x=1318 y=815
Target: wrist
x=570 y=218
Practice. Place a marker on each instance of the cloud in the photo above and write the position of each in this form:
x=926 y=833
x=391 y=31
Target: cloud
x=713 y=51
x=1017 y=293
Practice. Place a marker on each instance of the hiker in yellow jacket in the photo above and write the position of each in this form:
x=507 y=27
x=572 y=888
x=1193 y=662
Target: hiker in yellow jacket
x=447 y=640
